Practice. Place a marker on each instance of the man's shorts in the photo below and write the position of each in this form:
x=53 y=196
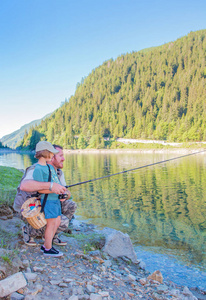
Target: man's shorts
x=52 y=209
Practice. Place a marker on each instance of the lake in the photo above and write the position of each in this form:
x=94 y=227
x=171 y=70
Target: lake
x=161 y=207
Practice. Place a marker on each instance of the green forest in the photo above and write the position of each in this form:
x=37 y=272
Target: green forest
x=157 y=93
x=2 y=146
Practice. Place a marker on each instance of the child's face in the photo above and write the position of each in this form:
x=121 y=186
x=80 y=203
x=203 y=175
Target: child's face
x=48 y=159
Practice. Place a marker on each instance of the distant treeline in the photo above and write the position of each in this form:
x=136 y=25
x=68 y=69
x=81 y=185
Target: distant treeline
x=2 y=146
x=158 y=93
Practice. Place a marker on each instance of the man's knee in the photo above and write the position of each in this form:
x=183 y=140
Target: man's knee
x=64 y=223
x=68 y=208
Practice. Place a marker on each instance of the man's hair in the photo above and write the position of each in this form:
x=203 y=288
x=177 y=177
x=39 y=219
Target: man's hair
x=57 y=146
x=42 y=153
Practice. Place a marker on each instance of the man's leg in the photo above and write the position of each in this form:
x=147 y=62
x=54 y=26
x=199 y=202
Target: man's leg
x=68 y=208
x=29 y=233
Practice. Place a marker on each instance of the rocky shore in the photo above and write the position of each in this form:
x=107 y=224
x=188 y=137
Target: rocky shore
x=97 y=265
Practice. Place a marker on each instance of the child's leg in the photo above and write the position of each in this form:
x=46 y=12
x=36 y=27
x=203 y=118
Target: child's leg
x=49 y=232
x=58 y=221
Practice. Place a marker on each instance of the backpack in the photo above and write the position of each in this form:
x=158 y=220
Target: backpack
x=22 y=196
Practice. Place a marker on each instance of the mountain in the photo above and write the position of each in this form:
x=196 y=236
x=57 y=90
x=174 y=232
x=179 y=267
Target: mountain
x=13 y=139
x=157 y=93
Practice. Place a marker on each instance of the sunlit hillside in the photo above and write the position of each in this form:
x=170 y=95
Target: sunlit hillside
x=159 y=93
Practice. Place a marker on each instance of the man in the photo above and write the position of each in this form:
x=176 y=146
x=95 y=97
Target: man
x=28 y=186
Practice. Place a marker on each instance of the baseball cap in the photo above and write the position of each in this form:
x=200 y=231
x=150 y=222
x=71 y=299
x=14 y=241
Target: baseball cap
x=44 y=145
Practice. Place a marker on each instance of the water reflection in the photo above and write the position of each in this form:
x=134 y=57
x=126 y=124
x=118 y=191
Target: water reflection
x=16 y=160
x=160 y=206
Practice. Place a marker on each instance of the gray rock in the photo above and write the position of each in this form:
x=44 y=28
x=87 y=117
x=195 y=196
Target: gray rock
x=55 y=282
x=16 y=296
x=25 y=263
x=162 y=288
x=74 y=297
x=90 y=288
x=63 y=285
x=95 y=297
x=175 y=293
x=107 y=263
x=83 y=297
x=28 y=270
x=188 y=293
x=38 y=269
x=142 y=265
x=39 y=288
x=30 y=276
x=104 y=293
x=12 y=284
x=68 y=280
x=156 y=296
x=118 y=244
x=131 y=277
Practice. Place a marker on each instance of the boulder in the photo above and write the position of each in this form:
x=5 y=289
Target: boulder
x=12 y=283
x=118 y=244
x=10 y=263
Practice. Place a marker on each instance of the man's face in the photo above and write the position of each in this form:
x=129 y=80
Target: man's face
x=58 y=159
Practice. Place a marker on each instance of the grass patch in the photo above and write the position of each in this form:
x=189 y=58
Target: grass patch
x=6 y=258
x=89 y=242
x=5 y=238
x=9 y=180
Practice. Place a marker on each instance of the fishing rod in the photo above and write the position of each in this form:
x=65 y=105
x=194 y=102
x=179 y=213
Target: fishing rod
x=141 y=167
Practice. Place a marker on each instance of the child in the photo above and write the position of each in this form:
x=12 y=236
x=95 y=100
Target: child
x=52 y=210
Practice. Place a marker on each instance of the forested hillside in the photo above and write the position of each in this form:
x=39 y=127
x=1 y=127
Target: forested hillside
x=155 y=94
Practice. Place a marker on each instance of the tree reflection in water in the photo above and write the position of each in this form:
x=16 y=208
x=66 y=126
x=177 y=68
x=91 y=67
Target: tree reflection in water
x=159 y=206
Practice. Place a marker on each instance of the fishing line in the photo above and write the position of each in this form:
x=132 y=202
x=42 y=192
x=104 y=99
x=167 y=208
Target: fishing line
x=141 y=167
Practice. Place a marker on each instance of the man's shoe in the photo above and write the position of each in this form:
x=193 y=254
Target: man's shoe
x=27 y=239
x=68 y=230
x=58 y=242
x=52 y=253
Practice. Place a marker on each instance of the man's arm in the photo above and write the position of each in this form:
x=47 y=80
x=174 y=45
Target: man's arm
x=42 y=187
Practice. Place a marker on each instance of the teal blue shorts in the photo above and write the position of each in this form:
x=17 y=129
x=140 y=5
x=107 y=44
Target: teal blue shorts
x=52 y=209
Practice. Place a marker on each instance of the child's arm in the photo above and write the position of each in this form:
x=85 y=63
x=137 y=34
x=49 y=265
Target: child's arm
x=56 y=188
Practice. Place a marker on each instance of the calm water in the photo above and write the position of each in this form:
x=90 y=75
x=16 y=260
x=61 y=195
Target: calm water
x=162 y=208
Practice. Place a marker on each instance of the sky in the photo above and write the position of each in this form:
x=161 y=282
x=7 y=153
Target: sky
x=47 y=47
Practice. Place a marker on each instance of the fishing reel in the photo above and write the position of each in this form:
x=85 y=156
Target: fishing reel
x=63 y=196
x=36 y=195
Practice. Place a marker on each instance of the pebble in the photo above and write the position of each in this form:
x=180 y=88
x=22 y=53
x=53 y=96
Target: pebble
x=30 y=276
x=131 y=277
x=38 y=269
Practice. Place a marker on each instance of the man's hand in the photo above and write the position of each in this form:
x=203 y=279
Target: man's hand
x=58 y=188
x=65 y=196
x=69 y=194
